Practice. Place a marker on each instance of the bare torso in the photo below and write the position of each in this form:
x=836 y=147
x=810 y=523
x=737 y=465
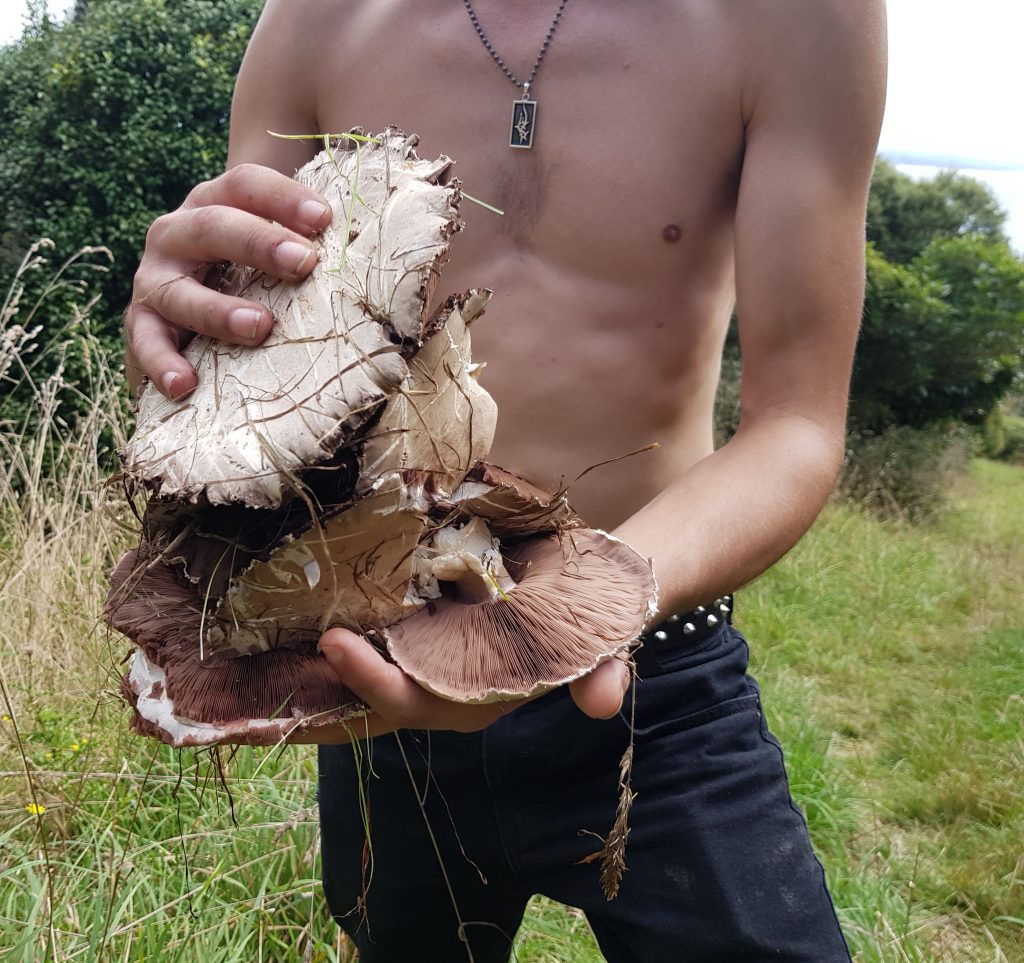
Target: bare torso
x=613 y=263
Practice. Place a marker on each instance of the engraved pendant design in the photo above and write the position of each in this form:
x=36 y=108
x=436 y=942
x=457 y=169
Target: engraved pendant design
x=524 y=119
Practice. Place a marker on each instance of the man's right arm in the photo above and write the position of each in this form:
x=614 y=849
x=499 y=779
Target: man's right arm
x=253 y=214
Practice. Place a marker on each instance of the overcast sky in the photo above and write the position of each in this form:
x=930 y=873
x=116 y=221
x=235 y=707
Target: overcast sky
x=955 y=81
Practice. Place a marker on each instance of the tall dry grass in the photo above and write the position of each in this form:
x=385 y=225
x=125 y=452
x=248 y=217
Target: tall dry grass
x=112 y=847
x=59 y=520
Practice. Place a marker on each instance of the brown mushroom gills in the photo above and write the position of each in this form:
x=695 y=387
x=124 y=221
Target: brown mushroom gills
x=579 y=598
x=184 y=699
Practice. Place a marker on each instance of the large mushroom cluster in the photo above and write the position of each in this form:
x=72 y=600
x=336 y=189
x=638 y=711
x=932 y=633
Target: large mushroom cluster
x=336 y=476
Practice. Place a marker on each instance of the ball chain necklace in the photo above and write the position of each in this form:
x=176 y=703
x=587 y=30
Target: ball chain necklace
x=524 y=110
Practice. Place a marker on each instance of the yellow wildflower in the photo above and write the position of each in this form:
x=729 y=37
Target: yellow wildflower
x=75 y=747
x=6 y=717
x=35 y=809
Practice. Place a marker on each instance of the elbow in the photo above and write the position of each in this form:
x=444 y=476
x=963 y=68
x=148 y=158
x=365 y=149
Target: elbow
x=810 y=450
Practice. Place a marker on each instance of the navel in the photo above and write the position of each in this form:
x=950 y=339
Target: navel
x=672 y=233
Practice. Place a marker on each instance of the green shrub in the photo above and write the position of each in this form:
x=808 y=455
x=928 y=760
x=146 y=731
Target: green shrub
x=942 y=338
x=107 y=121
x=993 y=434
x=903 y=472
x=1013 y=448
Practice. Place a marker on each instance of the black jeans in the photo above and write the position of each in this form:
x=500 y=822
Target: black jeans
x=719 y=865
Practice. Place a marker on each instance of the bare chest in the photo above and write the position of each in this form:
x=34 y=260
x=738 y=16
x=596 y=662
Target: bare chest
x=637 y=139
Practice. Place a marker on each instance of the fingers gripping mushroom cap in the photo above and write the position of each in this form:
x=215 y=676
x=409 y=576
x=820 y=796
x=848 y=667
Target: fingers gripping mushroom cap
x=335 y=354
x=577 y=599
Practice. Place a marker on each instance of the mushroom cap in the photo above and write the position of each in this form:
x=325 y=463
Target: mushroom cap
x=580 y=598
x=351 y=570
x=337 y=350
x=509 y=504
x=441 y=421
x=185 y=700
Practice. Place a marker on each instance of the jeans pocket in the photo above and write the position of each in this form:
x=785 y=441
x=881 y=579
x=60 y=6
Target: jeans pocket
x=649 y=725
x=693 y=686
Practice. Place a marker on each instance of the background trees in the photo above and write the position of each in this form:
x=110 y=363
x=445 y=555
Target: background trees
x=107 y=121
x=942 y=339
x=904 y=215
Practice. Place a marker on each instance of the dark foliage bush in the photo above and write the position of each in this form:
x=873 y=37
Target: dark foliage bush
x=107 y=121
x=903 y=472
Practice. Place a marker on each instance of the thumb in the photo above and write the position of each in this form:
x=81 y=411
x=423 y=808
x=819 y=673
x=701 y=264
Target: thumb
x=599 y=694
x=379 y=683
x=338 y=647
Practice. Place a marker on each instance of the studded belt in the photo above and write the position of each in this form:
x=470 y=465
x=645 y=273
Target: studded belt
x=683 y=631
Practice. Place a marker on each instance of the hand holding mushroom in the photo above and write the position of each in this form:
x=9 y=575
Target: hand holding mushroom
x=395 y=701
x=333 y=479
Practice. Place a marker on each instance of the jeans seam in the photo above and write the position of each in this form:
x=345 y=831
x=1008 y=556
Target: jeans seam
x=763 y=733
x=498 y=821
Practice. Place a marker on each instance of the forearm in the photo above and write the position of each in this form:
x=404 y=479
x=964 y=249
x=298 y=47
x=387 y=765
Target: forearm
x=737 y=511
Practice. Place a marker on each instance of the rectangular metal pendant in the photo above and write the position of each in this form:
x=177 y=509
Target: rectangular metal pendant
x=524 y=117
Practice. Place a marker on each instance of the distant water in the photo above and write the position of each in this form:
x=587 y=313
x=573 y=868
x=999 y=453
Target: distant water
x=1007 y=185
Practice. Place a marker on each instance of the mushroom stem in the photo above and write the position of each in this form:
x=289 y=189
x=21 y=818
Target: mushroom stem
x=473 y=588
x=466 y=556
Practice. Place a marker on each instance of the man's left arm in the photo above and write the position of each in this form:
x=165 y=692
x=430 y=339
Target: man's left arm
x=811 y=133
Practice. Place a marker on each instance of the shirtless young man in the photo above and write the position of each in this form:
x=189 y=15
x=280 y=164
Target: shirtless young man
x=690 y=156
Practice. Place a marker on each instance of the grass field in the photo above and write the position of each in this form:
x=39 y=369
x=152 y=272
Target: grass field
x=891 y=658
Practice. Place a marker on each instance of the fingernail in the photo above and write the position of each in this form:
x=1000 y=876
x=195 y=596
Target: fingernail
x=167 y=383
x=243 y=322
x=313 y=214
x=292 y=256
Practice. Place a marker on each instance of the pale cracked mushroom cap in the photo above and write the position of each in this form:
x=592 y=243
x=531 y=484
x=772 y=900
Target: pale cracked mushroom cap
x=338 y=348
x=575 y=599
